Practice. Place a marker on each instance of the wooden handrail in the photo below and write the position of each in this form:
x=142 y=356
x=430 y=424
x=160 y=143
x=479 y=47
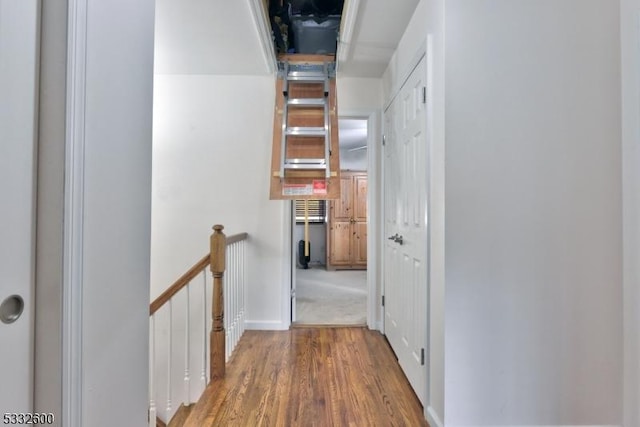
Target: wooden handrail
x=189 y=276
x=179 y=284
x=236 y=238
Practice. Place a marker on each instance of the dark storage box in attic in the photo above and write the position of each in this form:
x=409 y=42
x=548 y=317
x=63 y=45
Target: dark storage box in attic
x=315 y=36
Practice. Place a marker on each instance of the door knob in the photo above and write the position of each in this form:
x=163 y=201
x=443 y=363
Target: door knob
x=398 y=239
x=394 y=237
x=11 y=309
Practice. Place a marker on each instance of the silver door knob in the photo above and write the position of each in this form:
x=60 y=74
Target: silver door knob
x=11 y=309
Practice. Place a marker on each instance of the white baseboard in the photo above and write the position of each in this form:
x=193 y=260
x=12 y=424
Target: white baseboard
x=433 y=419
x=267 y=325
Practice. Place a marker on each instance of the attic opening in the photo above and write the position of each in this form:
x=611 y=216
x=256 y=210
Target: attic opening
x=305 y=26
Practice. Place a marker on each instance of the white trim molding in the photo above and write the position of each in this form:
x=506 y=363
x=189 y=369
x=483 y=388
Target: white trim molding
x=349 y=18
x=433 y=419
x=373 y=233
x=72 y=362
x=261 y=21
x=267 y=325
x=395 y=89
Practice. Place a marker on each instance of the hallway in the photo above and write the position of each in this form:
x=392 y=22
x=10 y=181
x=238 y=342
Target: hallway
x=310 y=377
x=331 y=297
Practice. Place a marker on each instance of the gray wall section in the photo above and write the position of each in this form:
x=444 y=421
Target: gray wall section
x=533 y=213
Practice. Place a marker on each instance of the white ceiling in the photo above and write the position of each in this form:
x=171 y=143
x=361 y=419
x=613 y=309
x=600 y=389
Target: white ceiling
x=220 y=37
x=378 y=29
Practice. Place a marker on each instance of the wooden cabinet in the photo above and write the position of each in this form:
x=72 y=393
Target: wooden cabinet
x=347 y=227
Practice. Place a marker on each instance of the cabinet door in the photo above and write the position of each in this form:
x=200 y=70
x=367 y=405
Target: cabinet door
x=341 y=209
x=340 y=247
x=360 y=220
x=360 y=198
x=347 y=231
x=360 y=244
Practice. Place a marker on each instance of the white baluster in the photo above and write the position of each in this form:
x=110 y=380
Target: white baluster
x=239 y=290
x=230 y=332
x=170 y=303
x=203 y=372
x=236 y=295
x=152 y=365
x=242 y=287
x=187 y=347
x=227 y=305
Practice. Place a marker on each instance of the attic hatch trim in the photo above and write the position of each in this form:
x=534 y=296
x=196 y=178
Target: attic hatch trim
x=347 y=26
x=261 y=22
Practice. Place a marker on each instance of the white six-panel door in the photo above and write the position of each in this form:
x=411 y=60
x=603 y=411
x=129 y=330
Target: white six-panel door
x=405 y=210
x=18 y=114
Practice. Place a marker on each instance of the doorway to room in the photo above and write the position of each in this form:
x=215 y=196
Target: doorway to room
x=329 y=285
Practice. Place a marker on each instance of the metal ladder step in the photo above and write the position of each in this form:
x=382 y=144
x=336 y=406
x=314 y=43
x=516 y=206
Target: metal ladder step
x=306 y=131
x=306 y=77
x=318 y=164
x=307 y=102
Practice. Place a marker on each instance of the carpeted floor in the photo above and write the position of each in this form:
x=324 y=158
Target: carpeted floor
x=331 y=297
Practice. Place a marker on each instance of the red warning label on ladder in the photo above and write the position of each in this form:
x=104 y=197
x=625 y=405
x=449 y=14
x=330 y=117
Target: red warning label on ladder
x=319 y=186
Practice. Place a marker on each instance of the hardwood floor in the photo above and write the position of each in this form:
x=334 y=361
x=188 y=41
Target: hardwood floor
x=310 y=377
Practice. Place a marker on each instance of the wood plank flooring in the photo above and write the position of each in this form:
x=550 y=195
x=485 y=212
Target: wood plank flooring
x=310 y=377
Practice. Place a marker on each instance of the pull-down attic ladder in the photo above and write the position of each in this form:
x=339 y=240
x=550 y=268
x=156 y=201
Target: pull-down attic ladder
x=305 y=158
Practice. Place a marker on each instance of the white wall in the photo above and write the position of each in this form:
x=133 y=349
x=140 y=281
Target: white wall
x=358 y=94
x=211 y=161
x=533 y=213
x=630 y=18
x=426 y=29
x=116 y=211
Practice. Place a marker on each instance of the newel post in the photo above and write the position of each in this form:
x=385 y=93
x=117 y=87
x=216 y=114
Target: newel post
x=217 y=346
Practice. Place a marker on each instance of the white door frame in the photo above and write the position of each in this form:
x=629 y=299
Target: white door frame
x=371 y=116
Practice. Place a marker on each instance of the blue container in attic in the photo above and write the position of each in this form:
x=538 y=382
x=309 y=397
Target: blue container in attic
x=315 y=36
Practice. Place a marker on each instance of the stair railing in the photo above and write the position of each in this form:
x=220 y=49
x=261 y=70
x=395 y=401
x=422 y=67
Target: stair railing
x=188 y=300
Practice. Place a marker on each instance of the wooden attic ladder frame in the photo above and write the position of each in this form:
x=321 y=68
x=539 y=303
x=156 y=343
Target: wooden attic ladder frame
x=305 y=158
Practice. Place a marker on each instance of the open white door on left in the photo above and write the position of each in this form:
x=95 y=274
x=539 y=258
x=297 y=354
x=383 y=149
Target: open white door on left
x=19 y=36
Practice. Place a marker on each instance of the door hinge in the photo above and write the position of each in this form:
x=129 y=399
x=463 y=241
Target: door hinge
x=424 y=94
x=422 y=356
x=383 y=300
x=384 y=140
x=293 y=293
